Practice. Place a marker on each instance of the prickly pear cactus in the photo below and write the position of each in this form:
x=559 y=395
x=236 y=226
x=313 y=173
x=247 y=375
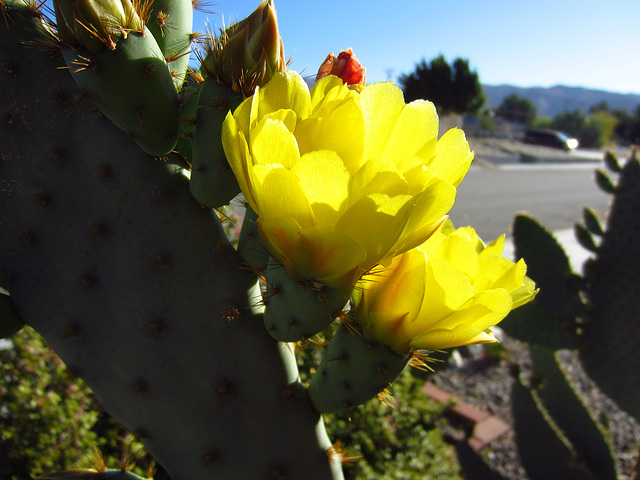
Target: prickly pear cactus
x=552 y=319
x=118 y=259
x=596 y=314
x=588 y=441
x=604 y=326
x=609 y=346
x=135 y=286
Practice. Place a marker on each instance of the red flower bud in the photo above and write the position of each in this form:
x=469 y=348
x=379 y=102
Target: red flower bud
x=345 y=66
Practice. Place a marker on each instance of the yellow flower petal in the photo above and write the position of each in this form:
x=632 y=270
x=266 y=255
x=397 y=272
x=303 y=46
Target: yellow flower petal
x=325 y=130
x=286 y=90
x=279 y=194
x=237 y=153
x=382 y=104
x=460 y=254
x=317 y=253
x=416 y=174
x=273 y=143
x=324 y=179
x=287 y=117
x=500 y=272
x=524 y=293
x=375 y=222
x=453 y=157
x=428 y=214
x=462 y=327
x=377 y=176
x=242 y=116
x=446 y=290
x=328 y=94
x=442 y=338
x=494 y=248
x=397 y=290
x=416 y=124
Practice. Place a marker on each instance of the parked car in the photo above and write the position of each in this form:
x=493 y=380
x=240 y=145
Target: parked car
x=549 y=138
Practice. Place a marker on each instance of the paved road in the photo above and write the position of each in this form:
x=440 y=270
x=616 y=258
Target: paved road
x=489 y=198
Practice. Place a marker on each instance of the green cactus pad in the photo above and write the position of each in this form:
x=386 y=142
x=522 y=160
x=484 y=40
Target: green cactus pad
x=213 y=183
x=353 y=371
x=137 y=289
x=585 y=238
x=592 y=222
x=609 y=346
x=569 y=413
x=472 y=463
x=171 y=23
x=10 y=321
x=604 y=182
x=299 y=310
x=550 y=320
x=133 y=87
x=249 y=247
x=612 y=163
x=544 y=454
x=189 y=107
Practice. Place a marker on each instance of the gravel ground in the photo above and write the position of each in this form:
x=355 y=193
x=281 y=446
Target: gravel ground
x=486 y=384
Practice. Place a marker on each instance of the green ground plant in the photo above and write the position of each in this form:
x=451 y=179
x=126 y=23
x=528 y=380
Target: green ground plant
x=51 y=421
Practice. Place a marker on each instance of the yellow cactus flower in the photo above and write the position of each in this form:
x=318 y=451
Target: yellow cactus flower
x=342 y=177
x=445 y=293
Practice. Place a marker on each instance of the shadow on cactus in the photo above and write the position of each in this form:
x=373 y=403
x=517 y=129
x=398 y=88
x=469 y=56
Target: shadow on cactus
x=595 y=314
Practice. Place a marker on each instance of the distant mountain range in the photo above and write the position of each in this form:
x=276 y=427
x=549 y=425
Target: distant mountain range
x=551 y=100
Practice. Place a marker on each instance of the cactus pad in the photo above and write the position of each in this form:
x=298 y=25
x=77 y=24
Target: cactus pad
x=133 y=87
x=297 y=310
x=609 y=346
x=590 y=441
x=551 y=319
x=136 y=287
x=212 y=181
x=353 y=371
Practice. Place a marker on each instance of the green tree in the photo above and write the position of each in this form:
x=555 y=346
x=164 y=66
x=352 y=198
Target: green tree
x=602 y=106
x=627 y=128
x=572 y=123
x=517 y=109
x=453 y=88
x=601 y=124
x=594 y=131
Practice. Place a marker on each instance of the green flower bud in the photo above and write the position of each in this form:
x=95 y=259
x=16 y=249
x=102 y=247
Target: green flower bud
x=96 y=24
x=249 y=53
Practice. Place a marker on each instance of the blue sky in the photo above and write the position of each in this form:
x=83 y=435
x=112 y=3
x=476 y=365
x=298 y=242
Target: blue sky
x=586 y=43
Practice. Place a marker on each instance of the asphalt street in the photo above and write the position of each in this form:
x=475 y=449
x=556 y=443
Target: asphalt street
x=490 y=196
